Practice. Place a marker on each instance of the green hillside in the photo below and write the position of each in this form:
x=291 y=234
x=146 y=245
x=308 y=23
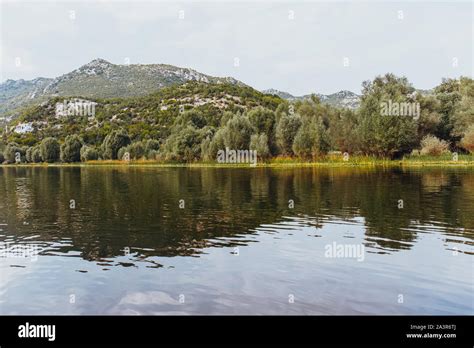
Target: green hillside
x=144 y=117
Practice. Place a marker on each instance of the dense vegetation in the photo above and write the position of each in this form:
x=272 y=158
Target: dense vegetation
x=191 y=122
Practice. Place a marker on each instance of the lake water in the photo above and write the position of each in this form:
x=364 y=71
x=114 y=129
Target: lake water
x=113 y=240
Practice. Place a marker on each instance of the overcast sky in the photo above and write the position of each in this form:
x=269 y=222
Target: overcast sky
x=297 y=46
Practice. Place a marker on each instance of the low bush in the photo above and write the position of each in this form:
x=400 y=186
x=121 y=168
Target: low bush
x=431 y=145
x=467 y=141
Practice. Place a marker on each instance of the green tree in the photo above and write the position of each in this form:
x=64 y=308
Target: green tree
x=430 y=118
x=226 y=116
x=36 y=154
x=286 y=131
x=122 y=152
x=50 y=150
x=206 y=153
x=210 y=150
x=467 y=142
x=237 y=133
x=463 y=115
x=88 y=153
x=71 y=149
x=341 y=131
x=113 y=142
x=264 y=120
x=380 y=134
x=191 y=117
x=152 y=145
x=13 y=151
x=135 y=150
x=29 y=154
x=448 y=96
x=259 y=143
x=311 y=140
x=184 y=145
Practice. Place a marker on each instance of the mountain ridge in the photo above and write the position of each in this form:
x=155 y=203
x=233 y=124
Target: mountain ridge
x=101 y=79
x=343 y=98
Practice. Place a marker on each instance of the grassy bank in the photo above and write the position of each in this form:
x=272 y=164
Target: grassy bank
x=329 y=161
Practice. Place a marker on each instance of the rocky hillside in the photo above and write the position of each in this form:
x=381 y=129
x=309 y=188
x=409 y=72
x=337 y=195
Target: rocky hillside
x=142 y=116
x=342 y=99
x=101 y=79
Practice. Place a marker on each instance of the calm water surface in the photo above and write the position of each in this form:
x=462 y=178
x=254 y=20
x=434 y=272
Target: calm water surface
x=228 y=241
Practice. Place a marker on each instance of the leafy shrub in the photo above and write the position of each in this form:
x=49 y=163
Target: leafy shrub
x=311 y=140
x=217 y=143
x=206 y=153
x=431 y=145
x=121 y=153
x=383 y=134
x=305 y=141
x=29 y=155
x=467 y=142
x=71 y=149
x=226 y=116
x=152 y=147
x=192 y=118
x=33 y=154
x=113 y=142
x=184 y=145
x=36 y=155
x=12 y=150
x=286 y=130
x=2 y=158
x=50 y=150
x=259 y=142
x=264 y=120
x=136 y=150
x=152 y=155
x=88 y=153
x=237 y=132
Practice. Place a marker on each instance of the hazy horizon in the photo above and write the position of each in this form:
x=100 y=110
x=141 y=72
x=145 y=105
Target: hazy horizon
x=299 y=48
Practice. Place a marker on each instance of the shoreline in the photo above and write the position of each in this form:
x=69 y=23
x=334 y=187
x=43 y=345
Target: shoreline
x=375 y=163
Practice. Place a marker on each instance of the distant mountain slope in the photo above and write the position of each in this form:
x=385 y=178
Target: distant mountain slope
x=345 y=99
x=101 y=79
